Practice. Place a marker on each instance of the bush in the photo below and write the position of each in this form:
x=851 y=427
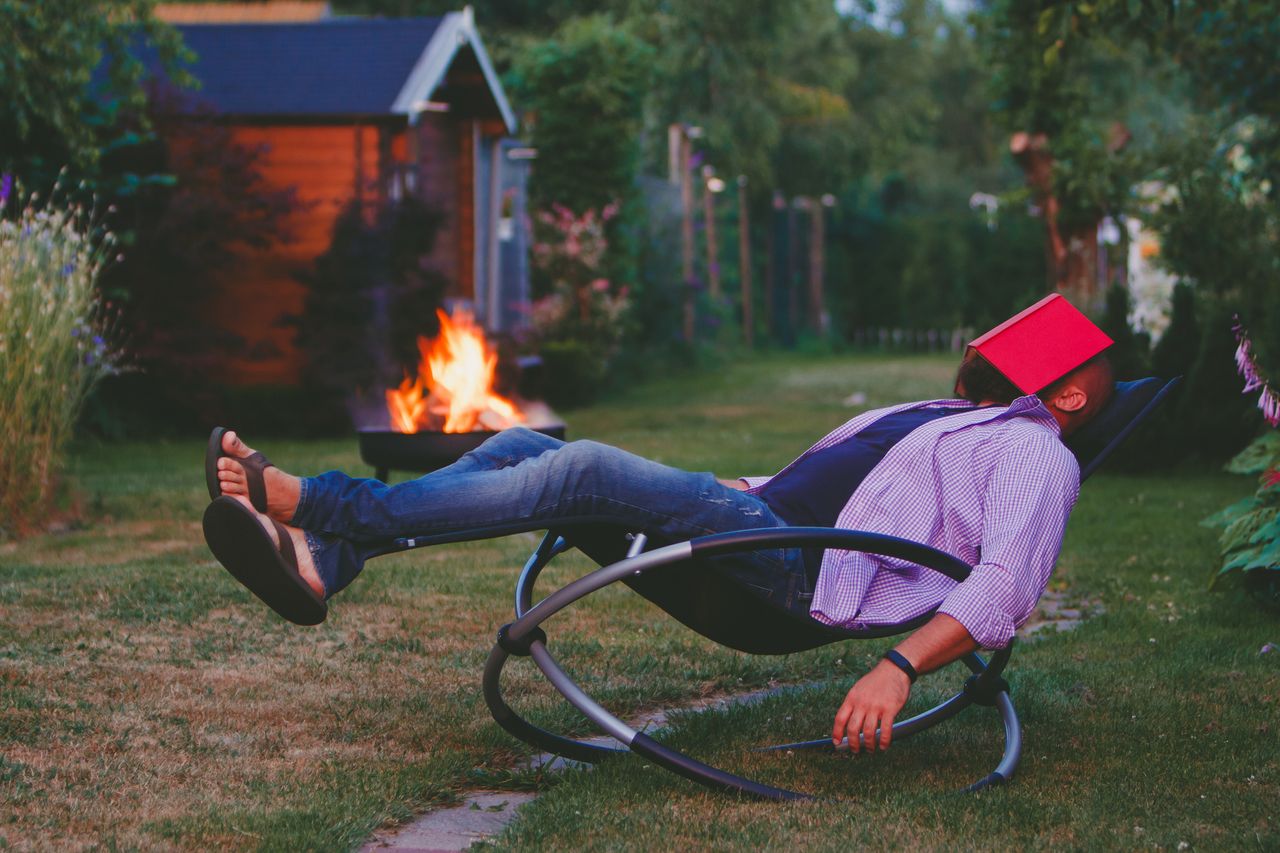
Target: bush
x=579 y=326
x=53 y=349
x=1250 y=537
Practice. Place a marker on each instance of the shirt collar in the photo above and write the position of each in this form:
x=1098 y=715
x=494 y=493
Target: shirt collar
x=1033 y=407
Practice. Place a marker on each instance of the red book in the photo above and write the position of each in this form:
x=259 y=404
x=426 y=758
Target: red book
x=1042 y=344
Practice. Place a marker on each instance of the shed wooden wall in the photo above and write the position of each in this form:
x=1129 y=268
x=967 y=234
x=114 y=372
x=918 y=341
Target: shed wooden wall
x=329 y=165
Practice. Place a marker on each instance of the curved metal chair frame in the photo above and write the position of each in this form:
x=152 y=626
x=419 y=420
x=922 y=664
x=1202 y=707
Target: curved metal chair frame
x=525 y=636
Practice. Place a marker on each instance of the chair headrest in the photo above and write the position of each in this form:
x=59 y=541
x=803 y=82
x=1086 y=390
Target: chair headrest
x=1130 y=405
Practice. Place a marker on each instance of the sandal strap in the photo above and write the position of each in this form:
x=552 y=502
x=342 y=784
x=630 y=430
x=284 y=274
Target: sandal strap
x=286 y=545
x=253 y=466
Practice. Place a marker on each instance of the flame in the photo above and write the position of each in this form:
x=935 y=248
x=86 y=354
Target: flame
x=454 y=383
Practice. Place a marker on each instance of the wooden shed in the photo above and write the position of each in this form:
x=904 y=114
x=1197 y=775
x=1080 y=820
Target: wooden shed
x=353 y=110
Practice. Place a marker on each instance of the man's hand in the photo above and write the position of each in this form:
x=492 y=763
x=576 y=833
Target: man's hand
x=874 y=701
x=879 y=695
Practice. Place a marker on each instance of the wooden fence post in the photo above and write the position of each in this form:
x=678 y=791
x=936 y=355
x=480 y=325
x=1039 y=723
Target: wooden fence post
x=744 y=263
x=713 y=245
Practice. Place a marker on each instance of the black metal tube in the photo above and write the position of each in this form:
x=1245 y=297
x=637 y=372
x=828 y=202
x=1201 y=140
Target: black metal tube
x=689 y=768
x=522 y=729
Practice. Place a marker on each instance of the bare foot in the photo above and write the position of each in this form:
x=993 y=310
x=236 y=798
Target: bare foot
x=306 y=564
x=283 y=490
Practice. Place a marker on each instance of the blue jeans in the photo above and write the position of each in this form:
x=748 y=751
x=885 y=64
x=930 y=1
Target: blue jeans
x=523 y=476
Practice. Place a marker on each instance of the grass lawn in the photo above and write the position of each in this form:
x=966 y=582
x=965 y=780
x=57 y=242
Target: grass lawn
x=147 y=701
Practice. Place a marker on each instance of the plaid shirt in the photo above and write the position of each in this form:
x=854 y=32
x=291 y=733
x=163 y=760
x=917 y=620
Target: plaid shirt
x=993 y=486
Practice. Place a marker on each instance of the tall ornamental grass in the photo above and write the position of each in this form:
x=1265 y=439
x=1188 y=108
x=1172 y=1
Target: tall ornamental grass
x=53 y=347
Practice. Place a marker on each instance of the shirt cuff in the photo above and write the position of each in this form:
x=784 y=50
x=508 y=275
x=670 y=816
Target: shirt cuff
x=973 y=606
x=754 y=482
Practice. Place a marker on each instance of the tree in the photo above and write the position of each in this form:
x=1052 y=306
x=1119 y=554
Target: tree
x=70 y=70
x=584 y=89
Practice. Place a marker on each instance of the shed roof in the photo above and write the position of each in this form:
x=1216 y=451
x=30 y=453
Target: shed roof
x=333 y=67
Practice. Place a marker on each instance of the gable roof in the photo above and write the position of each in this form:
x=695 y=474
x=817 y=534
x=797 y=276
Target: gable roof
x=334 y=67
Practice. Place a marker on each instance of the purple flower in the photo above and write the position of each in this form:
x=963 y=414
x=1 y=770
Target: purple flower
x=1247 y=365
x=68 y=270
x=1269 y=403
x=6 y=188
x=98 y=341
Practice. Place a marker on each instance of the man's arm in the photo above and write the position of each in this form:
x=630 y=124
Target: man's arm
x=1025 y=508
x=877 y=697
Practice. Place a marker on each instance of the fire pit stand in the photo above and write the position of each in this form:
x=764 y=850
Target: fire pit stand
x=423 y=452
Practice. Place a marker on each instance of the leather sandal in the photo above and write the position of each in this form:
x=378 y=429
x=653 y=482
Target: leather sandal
x=243 y=547
x=253 y=466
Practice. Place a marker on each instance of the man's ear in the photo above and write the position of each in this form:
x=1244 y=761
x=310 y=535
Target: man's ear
x=1073 y=398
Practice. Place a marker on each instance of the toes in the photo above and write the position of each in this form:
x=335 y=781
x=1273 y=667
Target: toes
x=230 y=483
x=232 y=444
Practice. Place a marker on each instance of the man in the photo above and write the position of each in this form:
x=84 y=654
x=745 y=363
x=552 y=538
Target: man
x=985 y=477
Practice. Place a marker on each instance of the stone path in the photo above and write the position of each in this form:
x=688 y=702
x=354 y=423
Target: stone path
x=482 y=814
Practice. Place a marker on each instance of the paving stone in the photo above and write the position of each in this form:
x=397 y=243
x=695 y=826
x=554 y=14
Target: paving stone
x=484 y=813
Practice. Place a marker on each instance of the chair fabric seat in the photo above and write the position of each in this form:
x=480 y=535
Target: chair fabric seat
x=719 y=608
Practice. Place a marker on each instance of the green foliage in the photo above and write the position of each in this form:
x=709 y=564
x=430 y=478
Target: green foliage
x=1128 y=353
x=585 y=88
x=1084 y=74
x=920 y=269
x=1221 y=228
x=1176 y=350
x=764 y=81
x=1259 y=457
x=1211 y=418
x=56 y=112
x=1250 y=539
x=54 y=347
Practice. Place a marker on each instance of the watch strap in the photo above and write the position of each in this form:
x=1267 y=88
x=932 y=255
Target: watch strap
x=896 y=658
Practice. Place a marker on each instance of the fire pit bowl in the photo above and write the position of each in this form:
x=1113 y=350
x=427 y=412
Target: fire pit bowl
x=387 y=450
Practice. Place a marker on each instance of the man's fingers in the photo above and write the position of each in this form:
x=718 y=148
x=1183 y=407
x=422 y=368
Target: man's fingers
x=855 y=726
x=842 y=720
x=886 y=731
x=869 y=730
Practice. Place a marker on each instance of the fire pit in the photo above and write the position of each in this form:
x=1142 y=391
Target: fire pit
x=449 y=407
x=387 y=450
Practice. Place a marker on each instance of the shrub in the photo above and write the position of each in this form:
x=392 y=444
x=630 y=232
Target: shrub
x=1250 y=539
x=53 y=348
x=578 y=326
